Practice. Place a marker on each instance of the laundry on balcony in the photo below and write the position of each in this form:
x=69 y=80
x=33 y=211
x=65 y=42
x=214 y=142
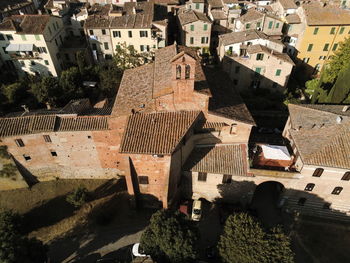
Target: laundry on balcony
x=19 y=47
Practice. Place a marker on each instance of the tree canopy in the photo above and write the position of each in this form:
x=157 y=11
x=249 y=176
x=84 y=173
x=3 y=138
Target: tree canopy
x=331 y=87
x=170 y=237
x=16 y=247
x=127 y=57
x=244 y=240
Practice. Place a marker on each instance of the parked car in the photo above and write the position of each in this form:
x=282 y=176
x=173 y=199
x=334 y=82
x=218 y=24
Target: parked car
x=196 y=210
x=137 y=251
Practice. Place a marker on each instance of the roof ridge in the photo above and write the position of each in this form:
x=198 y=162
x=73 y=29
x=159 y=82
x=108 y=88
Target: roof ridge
x=315 y=109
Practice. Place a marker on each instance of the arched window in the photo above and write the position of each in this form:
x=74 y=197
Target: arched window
x=318 y=172
x=187 y=71
x=178 y=72
x=346 y=176
x=337 y=190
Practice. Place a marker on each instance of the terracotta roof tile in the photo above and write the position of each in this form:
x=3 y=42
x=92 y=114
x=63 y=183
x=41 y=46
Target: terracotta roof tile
x=288 y=4
x=250 y=16
x=82 y=123
x=316 y=14
x=26 y=24
x=238 y=37
x=26 y=125
x=156 y=133
x=307 y=116
x=218 y=159
x=187 y=16
x=326 y=146
x=293 y=19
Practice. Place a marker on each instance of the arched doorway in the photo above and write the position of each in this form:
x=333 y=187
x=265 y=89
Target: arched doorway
x=265 y=202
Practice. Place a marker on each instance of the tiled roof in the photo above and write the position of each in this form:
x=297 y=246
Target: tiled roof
x=307 y=116
x=187 y=16
x=321 y=134
x=97 y=21
x=288 y=4
x=293 y=19
x=26 y=24
x=238 y=37
x=46 y=123
x=156 y=133
x=140 y=86
x=226 y=101
x=218 y=159
x=326 y=146
x=26 y=125
x=218 y=14
x=250 y=16
x=259 y=48
x=135 y=91
x=214 y=125
x=316 y=14
x=82 y=123
x=215 y=3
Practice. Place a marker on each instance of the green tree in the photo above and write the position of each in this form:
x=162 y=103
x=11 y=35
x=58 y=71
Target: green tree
x=110 y=78
x=16 y=247
x=170 y=237
x=71 y=84
x=127 y=57
x=311 y=86
x=341 y=89
x=339 y=62
x=78 y=197
x=81 y=62
x=15 y=92
x=47 y=90
x=245 y=241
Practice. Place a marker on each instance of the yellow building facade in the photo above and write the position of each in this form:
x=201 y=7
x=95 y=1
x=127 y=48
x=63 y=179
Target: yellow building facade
x=325 y=27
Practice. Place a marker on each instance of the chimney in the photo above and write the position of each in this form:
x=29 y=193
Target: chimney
x=345 y=108
x=39 y=12
x=339 y=119
x=134 y=10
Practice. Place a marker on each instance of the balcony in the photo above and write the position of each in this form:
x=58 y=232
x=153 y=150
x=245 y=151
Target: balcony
x=25 y=55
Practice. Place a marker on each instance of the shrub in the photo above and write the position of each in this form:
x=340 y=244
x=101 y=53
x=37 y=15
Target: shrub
x=4 y=153
x=78 y=197
x=8 y=170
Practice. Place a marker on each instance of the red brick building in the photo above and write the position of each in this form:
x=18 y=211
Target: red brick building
x=162 y=111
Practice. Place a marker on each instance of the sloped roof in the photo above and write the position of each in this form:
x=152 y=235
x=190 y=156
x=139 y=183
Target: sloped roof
x=238 y=37
x=189 y=16
x=250 y=16
x=50 y=123
x=26 y=24
x=293 y=19
x=288 y=4
x=260 y=48
x=141 y=85
x=307 y=116
x=218 y=159
x=156 y=133
x=326 y=146
x=321 y=134
x=316 y=14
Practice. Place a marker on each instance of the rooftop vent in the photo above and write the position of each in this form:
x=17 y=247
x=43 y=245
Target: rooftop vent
x=345 y=108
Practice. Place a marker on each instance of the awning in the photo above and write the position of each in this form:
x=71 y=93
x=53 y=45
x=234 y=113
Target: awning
x=19 y=47
x=276 y=152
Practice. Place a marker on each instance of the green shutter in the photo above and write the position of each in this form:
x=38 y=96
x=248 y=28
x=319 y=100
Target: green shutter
x=197 y=5
x=23 y=37
x=46 y=62
x=205 y=27
x=335 y=46
x=258 y=24
x=332 y=31
x=258 y=70
x=309 y=48
x=270 y=24
x=192 y=27
x=341 y=31
x=191 y=40
x=247 y=26
x=326 y=46
x=37 y=37
x=278 y=72
x=277 y=25
x=315 y=30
